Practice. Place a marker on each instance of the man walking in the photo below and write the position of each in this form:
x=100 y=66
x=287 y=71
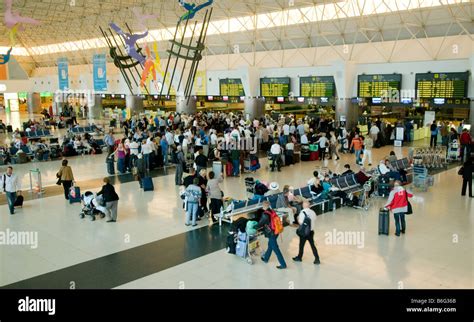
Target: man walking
x=181 y=162
x=10 y=185
x=270 y=233
x=368 y=145
x=307 y=220
x=434 y=134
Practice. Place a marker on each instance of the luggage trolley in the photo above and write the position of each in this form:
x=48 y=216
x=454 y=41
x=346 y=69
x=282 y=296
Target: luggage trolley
x=247 y=246
x=454 y=151
x=364 y=201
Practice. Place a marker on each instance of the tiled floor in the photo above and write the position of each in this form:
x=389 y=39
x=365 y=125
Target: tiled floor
x=426 y=257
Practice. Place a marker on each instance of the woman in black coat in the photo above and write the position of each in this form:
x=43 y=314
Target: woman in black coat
x=467 y=170
x=111 y=199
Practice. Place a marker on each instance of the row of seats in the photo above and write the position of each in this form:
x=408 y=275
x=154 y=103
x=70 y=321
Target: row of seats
x=86 y=129
x=248 y=206
x=402 y=164
x=37 y=134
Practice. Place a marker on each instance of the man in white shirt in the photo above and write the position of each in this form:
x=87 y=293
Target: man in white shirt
x=134 y=148
x=292 y=128
x=374 y=132
x=304 y=139
x=286 y=131
x=275 y=151
x=147 y=150
x=169 y=137
x=300 y=128
x=311 y=215
x=10 y=185
x=323 y=144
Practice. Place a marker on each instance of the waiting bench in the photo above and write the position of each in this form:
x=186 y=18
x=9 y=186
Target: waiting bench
x=38 y=134
x=243 y=207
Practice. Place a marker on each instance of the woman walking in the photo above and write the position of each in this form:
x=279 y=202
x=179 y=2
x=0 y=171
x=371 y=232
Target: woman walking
x=398 y=204
x=111 y=199
x=333 y=145
x=67 y=178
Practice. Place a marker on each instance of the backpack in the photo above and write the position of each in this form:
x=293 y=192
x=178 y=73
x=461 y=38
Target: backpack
x=276 y=224
x=304 y=230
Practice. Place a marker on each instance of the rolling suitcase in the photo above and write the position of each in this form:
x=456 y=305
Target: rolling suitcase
x=110 y=166
x=19 y=201
x=314 y=156
x=384 y=222
x=148 y=184
x=217 y=168
x=228 y=169
x=75 y=195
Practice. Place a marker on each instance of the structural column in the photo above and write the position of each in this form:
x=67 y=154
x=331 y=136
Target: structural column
x=135 y=104
x=345 y=77
x=185 y=106
x=471 y=94
x=33 y=101
x=94 y=108
x=254 y=107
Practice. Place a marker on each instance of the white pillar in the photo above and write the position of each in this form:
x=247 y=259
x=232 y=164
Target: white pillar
x=345 y=78
x=135 y=104
x=254 y=107
x=183 y=105
x=33 y=101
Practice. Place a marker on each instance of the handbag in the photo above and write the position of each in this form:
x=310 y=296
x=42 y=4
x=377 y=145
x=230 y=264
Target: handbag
x=409 y=207
x=461 y=171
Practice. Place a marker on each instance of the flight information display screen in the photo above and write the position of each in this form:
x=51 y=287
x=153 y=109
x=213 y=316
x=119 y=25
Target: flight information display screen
x=442 y=85
x=317 y=86
x=275 y=87
x=231 y=87
x=378 y=85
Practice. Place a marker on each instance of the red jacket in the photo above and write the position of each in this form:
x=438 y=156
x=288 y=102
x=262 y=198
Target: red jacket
x=399 y=199
x=465 y=138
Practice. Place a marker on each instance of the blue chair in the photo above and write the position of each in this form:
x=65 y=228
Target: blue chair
x=253 y=202
x=47 y=133
x=75 y=130
x=88 y=129
x=39 y=133
x=297 y=192
x=273 y=200
x=239 y=204
x=306 y=193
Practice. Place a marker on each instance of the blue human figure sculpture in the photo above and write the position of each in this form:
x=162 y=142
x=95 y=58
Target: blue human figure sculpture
x=192 y=9
x=130 y=42
x=5 y=58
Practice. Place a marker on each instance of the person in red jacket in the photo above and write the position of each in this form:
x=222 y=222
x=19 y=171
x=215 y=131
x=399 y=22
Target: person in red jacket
x=466 y=141
x=398 y=204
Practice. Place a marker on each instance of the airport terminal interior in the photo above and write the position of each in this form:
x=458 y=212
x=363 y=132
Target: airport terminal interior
x=257 y=96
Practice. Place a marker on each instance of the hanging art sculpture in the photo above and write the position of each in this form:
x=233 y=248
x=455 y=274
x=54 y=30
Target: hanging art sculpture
x=189 y=52
x=14 y=22
x=5 y=58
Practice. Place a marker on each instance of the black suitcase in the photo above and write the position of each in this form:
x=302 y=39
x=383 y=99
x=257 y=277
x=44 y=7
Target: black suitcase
x=19 y=201
x=9 y=128
x=110 y=166
x=384 y=222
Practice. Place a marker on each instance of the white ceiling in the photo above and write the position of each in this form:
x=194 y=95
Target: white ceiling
x=61 y=21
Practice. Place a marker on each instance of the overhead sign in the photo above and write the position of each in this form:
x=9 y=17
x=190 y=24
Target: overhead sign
x=442 y=85
x=100 y=72
x=275 y=87
x=378 y=85
x=317 y=86
x=63 y=72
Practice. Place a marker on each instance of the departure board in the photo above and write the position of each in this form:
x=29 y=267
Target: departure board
x=275 y=87
x=442 y=85
x=231 y=87
x=378 y=85
x=317 y=86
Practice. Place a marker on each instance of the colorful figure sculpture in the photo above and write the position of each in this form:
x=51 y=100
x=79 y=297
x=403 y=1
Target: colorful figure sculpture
x=130 y=42
x=5 y=58
x=148 y=67
x=141 y=18
x=192 y=9
x=13 y=21
x=13 y=18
